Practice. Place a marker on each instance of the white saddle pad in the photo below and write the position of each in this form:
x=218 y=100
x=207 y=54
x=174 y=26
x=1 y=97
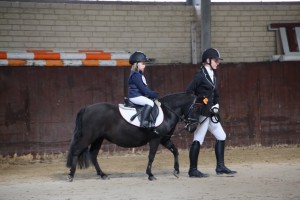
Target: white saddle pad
x=127 y=113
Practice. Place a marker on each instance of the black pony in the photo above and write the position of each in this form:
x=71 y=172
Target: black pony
x=100 y=121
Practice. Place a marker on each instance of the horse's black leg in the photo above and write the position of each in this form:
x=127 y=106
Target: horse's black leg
x=152 y=152
x=77 y=157
x=73 y=168
x=94 y=150
x=169 y=145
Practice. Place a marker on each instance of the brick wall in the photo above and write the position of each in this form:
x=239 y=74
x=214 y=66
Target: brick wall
x=162 y=31
x=240 y=31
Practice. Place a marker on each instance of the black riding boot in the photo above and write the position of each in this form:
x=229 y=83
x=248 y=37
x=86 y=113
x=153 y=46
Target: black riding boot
x=145 y=116
x=194 y=153
x=219 y=150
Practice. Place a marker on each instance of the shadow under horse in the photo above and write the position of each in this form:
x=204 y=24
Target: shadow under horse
x=102 y=121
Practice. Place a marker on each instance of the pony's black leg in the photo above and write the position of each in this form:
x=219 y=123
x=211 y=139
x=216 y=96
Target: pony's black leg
x=74 y=152
x=169 y=145
x=73 y=168
x=152 y=152
x=94 y=150
x=79 y=157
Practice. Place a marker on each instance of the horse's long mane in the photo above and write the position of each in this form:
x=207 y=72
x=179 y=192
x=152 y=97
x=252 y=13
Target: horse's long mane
x=170 y=99
x=170 y=96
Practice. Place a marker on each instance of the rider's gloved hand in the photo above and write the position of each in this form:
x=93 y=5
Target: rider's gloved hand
x=215 y=108
x=153 y=95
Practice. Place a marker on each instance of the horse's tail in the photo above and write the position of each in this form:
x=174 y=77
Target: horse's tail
x=83 y=159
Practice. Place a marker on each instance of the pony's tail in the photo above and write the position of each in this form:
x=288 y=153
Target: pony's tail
x=83 y=159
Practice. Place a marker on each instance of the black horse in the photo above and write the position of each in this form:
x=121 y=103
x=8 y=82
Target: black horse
x=100 y=121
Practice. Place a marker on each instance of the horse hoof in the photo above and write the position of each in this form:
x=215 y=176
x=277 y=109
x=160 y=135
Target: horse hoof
x=70 y=178
x=104 y=177
x=176 y=173
x=152 y=178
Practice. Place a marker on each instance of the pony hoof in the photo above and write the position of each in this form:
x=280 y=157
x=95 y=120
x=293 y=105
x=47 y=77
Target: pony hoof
x=70 y=178
x=152 y=178
x=104 y=177
x=176 y=173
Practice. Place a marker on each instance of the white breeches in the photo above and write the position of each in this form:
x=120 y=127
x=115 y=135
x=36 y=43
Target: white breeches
x=142 y=100
x=215 y=128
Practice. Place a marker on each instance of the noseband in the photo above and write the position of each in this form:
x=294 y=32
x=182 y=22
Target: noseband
x=192 y=121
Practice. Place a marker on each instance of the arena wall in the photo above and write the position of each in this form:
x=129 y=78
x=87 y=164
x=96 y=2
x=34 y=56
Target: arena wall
x=39 y=104
x=259 y=103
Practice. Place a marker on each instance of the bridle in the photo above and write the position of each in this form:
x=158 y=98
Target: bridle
x=193 y=121
x=189 y=121
x=183 y=118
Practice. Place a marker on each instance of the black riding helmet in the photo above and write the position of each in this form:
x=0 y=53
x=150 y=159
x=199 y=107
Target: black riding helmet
x=211 y=53
x=138 y=56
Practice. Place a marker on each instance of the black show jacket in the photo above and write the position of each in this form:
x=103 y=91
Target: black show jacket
x=203 y=86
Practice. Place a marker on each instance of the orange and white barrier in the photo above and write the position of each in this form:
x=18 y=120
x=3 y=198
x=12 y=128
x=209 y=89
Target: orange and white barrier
x=64 y=63
x=48 y=58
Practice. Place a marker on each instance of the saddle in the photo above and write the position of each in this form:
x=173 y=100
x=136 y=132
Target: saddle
x=132 y=113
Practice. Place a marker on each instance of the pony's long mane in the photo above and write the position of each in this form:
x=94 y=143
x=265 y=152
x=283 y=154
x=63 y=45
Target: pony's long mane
x=168 y=96
x=170 y=99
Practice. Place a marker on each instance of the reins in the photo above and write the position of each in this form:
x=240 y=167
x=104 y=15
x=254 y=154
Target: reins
x=186 y=121
x=215 y=117
x=181 y=118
